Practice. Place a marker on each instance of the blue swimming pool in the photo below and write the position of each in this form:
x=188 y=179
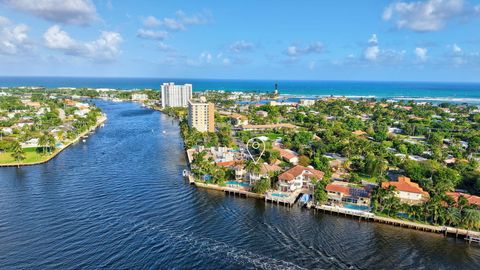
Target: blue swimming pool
x=356 y=207
x=242 y=184
x=280 y=195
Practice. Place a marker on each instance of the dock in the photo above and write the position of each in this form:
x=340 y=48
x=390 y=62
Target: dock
x=286 y=199
x=470 y=236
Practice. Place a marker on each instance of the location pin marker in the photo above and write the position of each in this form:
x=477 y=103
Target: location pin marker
x=255 y=145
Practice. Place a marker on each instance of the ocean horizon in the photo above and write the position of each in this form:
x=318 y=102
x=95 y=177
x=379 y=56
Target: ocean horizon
x=456 y=92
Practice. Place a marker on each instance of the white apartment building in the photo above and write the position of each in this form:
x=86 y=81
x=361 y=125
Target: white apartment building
x=176 y=95
x=201 y=116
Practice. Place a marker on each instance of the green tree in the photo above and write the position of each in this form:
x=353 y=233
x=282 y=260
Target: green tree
x=18 y=153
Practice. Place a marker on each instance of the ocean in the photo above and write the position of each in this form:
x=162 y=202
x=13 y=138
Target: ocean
x=419 y=91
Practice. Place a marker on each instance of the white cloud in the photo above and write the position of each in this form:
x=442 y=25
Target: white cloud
x=164 y=47
x=372 y=52
x=151 y=21
x=456 y=49
x=13 y=38
x=421 y=53
x=173 y=24
x=150 y=34
x=373 y=40
x=56 y=38
x=423 y=16
x=241 y=46
x=104 y=48
x=205 y=57
x=79 y=12
x=182 y=20
x=297 y=51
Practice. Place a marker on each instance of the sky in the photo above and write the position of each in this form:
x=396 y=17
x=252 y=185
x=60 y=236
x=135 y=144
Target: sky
x=372 y=40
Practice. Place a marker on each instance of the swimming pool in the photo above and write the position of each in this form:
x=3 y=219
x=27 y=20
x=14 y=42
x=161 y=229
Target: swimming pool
x=280 y=195
x=242 y=184
x=356 y=207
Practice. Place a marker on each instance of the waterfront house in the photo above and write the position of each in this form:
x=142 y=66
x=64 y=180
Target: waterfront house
x=472 y=199
x=407 y=191
x=342 y=192
x=298 y=177
x=265 y=171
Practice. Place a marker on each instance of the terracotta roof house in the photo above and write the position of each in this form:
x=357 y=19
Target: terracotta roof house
x=298 y=177
x=287 y=155
x=472 y=199
x=407 y=191
x=343 y=192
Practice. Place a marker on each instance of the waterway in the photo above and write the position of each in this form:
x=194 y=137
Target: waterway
x=118 y=201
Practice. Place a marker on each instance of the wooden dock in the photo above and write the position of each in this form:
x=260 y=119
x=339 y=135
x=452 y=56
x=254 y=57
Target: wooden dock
x=471 y=236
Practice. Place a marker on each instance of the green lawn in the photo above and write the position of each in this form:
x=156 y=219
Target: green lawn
x=31 y=155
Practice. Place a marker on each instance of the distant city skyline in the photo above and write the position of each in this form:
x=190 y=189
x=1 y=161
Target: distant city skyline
x=397 y=40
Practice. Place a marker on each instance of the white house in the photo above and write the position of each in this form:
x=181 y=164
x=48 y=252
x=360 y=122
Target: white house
x=407 y=191
x=298 y=177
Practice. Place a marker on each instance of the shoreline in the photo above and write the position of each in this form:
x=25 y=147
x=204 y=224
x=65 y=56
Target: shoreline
x=101 y=120
x=367 y=216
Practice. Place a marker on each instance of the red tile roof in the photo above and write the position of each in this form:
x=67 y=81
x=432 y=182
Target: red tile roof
x=404 y=184
x=298 y=170
x=285 y=153
x=226 y=163
x=338 y=188
x=472 y=199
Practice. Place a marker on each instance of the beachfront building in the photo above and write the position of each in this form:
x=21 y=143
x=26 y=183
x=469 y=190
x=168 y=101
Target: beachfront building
x=201 y=116
x=175 y=95
x=306 y=102
x=340 y=193
x=298 y=177
x=407 y=191
x=139 y=97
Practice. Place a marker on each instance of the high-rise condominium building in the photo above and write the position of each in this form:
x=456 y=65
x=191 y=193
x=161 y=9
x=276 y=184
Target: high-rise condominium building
x=176 y=95
x=201 y=116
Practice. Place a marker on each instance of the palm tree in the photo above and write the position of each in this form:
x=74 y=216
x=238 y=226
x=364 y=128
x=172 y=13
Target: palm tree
x=18 y=153
x=452 y=216
x=471 y=218
x=43 y=141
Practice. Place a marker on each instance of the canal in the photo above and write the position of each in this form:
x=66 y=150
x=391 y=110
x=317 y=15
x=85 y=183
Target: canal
x=118 y=201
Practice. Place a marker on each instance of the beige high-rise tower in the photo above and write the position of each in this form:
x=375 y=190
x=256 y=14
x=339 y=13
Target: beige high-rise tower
x=201 y=115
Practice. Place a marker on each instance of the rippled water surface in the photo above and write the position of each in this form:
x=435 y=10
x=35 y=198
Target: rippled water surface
x=118 y=201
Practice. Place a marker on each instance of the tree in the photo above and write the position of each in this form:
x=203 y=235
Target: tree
x=304 y=160
x=471 y=218
x=261 y=186
x=320 y=194
x=252 y=166
x=17 y=152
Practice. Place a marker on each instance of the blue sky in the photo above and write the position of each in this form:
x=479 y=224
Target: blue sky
x=432 y=40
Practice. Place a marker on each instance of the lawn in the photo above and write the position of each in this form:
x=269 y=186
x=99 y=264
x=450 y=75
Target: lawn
x=31 y=155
